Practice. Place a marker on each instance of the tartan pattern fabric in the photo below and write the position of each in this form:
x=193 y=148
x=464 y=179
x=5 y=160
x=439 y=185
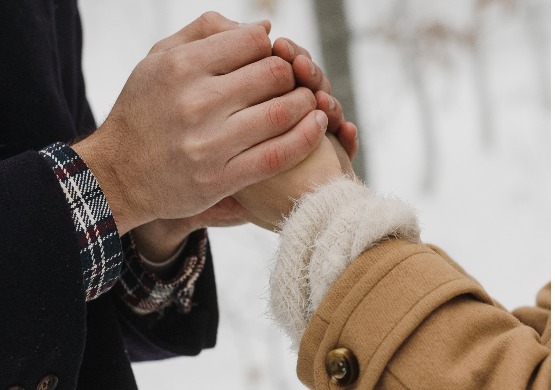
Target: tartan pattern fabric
x=99 y=243
x=146 y=293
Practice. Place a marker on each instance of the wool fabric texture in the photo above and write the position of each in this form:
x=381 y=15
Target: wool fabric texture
x=326 y=231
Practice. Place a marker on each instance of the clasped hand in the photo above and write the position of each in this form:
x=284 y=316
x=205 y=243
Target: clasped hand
x=211 y=111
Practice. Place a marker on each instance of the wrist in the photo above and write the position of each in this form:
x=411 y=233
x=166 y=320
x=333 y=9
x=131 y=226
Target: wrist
x=97 y=155
x=160 y=239
x=163 y=269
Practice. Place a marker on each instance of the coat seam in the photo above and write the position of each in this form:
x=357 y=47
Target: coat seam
x=399 y=381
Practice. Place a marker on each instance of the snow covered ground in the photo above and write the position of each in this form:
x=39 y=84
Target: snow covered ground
x=488 y=205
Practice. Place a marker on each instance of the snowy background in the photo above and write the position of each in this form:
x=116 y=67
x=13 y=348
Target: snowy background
x=454 y=116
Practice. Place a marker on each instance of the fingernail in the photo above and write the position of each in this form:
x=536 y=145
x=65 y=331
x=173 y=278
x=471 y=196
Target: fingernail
x=332 y=102
x=291 y=50
x=322 y=120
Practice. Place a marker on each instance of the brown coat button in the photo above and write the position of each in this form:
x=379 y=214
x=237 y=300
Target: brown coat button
x=342 y=366
x=49 y=382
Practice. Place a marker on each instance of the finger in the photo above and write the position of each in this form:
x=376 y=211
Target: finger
x=270 y=119
x=309 y=75
x=226 y=51
x=346 y=132
x=333 y=109
x=264 y=23
x=288 y=50
x=342 y=155
x=207 y=24
x=255 y=83
x=348 y=137
x=278 y=154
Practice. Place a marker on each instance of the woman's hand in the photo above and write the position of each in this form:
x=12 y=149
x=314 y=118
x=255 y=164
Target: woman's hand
x=273 y=199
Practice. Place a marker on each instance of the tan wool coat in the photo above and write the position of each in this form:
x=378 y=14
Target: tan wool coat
x=405 y=316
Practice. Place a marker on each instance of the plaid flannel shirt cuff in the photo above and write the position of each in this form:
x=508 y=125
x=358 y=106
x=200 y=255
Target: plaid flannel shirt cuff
x=145 y=292
x=99 y=243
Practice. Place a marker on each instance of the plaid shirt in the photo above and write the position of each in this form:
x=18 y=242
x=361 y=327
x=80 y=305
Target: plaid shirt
x=106 y=262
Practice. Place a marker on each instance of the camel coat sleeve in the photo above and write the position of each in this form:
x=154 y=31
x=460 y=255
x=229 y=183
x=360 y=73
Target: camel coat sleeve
x=414 y=321
x=351 y=276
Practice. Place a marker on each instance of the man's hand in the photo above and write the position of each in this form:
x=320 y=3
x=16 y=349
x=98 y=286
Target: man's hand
x=198 y=121
x=159 y=239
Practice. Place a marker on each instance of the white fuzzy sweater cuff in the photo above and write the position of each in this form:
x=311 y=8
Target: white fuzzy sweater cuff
x=326 y=231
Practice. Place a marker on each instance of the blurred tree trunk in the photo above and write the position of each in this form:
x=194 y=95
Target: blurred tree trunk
x=334 y=38
x=479 y=63
x=411 y=52
x=537 y=23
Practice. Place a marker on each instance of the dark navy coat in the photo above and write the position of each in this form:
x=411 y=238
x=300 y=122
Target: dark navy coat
x=47 y=330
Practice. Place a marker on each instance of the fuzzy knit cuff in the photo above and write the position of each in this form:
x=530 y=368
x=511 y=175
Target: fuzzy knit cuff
x=326 y=231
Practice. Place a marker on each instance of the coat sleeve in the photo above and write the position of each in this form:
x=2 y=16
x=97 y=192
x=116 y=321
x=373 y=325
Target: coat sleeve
x=42 y=305
x=412 y=321
x=41 y=288
x=40 y=276
x=369 y=306
x=158 y=307
x=171 y=331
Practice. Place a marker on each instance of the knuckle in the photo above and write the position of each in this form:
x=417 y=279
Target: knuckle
x=277 y=114
x=158 y=47
x=196 y=152
x=260 y=39
x=274 y=159
x=280 y=70
x=308 y=97
x=208 y=18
